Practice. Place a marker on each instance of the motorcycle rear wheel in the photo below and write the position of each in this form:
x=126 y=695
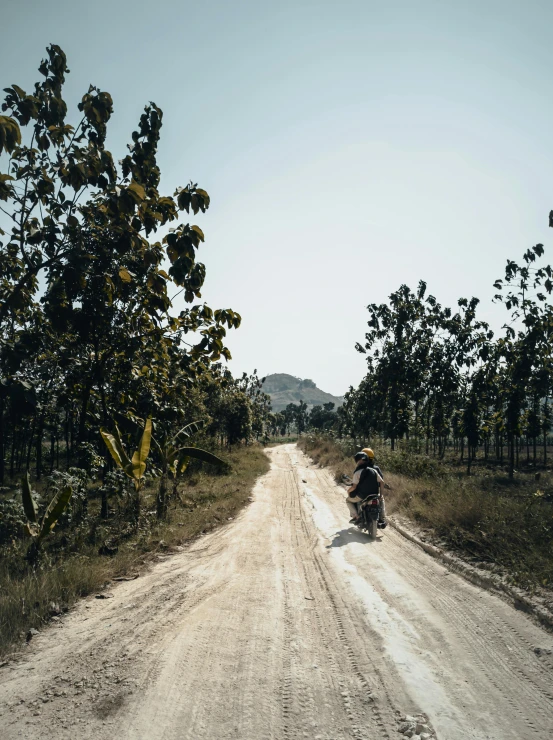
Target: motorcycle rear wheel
x=373 y=529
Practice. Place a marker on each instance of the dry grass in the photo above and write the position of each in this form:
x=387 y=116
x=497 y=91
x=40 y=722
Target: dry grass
x=330 y=453
x=489 y=519
x=208 y=500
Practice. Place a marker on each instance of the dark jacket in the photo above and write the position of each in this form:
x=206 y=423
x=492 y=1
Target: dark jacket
x=368 y=482
x=377 y=470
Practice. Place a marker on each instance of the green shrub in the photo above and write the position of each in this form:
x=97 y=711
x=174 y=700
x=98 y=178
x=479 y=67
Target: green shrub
x=12 y=521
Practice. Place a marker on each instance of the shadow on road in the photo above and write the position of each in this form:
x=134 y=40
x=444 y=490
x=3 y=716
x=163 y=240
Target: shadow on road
x=345 y=536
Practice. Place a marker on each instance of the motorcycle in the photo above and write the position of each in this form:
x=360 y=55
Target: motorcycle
x=368 y=510
x=369 y=514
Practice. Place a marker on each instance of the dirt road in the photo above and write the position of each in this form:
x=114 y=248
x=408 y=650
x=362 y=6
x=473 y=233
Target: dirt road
x=286 y=624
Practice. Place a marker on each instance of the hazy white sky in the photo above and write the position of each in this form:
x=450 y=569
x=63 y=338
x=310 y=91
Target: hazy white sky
x=348 y=147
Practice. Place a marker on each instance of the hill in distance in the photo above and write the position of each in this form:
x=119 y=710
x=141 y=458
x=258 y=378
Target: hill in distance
x=285 y=389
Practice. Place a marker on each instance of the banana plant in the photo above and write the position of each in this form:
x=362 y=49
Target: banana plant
x=134 y=467
x=175 y=459
x=37 y=530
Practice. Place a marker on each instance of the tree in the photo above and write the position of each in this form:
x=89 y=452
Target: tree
x=526 y=347
x=322 y=417
x=134 y=467
x=85 y=314
x=299 y=414
x=175 y=458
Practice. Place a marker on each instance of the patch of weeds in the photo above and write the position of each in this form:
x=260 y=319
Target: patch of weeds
x=72 y=565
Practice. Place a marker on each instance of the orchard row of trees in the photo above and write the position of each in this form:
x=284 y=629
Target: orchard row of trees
x=440 y=378
x=297 y=418
x=89 y=335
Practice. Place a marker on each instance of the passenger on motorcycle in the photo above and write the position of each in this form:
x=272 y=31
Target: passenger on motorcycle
x=370 y=454
x=382 y=523
x=362 y=484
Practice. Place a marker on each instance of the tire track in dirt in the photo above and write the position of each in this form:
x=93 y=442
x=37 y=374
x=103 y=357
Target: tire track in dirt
x=360 y=696
x=276 y=627
x=479 y=633
x=475 y=650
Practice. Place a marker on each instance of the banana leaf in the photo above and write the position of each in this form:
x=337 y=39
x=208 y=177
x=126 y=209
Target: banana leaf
x=191 y=428
x=124 y=457
x=203 y=455
x=113 y=446
x=55 y=509
x=141 y=455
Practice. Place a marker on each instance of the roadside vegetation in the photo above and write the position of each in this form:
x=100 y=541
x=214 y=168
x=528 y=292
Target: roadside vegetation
x=489 y=519
x=83 y=560
x=111 y=397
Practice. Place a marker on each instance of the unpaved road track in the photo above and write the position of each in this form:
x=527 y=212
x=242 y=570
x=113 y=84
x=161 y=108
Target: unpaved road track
x=286 y=624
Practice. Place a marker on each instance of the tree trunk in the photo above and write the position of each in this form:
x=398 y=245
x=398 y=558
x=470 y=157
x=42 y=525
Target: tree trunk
x=428 y=430
x=84 y=409
x=21 y=447
x=66 y=435
x=52 y=451
x=545 y=425
x=1 y=439
x=135 y=508
x=71 y=438
x=30 y=448
x=12 y=456
x=39 y=435
x=104 y=405
x=104 y=510
x=161 y=500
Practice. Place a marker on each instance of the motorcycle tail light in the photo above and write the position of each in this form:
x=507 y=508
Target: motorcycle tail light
x=374 y=502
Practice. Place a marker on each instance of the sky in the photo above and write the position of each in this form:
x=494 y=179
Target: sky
x=348 y=147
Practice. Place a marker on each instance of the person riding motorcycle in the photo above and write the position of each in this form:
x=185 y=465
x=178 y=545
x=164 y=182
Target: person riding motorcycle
x=382 y=523
x=370 y=454
x=357 y=491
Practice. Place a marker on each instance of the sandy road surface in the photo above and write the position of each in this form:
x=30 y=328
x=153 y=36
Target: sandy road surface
x=286 y=624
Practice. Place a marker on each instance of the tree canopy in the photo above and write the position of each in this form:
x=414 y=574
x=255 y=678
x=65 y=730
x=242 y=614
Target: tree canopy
x=88 y=327
x=438 y=376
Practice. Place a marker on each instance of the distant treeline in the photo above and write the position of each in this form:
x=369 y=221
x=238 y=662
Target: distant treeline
x=439 y=378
